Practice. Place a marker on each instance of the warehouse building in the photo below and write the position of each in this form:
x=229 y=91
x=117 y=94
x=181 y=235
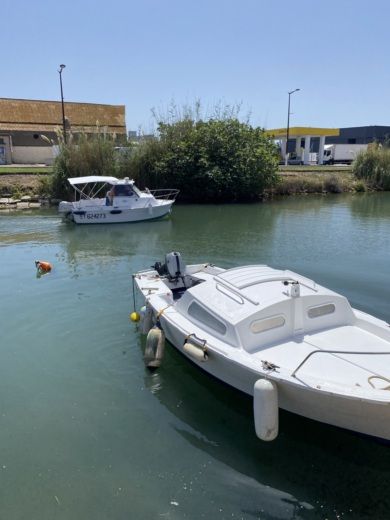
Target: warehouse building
x=29 y=128
x=360 y=135
x=308 y=142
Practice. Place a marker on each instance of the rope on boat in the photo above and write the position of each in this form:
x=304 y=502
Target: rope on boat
x=133 y=292
x=162 y=311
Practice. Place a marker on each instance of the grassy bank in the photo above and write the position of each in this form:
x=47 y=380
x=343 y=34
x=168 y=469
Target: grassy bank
x=29 y=170
x=17 y=181
x=315 y=168
x=316 y=179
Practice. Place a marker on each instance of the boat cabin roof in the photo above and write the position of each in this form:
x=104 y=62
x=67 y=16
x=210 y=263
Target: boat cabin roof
x=243 y=277
x=239 y=303
x=241 y=292
x=98 y=178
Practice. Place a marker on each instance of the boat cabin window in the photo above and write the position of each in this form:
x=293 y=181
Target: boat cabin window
x=136 y=190
x=267 y=324
x=200 y=314
x=321 y=310
x=123 y=190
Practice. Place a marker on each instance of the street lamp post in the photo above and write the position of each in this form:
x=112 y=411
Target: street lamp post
x=62 y=102
x=288 y=122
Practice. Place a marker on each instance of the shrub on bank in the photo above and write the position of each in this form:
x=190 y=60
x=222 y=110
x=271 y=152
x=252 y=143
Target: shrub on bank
x=373 y=167
x=332 y=184
x=360 y=186
x=209 y=161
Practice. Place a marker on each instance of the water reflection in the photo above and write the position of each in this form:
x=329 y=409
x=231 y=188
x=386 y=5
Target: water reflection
x=218 y=420
x=34 y=227
x=72 y=326
x=371 y=205
x=96 y=241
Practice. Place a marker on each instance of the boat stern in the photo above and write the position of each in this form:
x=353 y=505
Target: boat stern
x=65 y=207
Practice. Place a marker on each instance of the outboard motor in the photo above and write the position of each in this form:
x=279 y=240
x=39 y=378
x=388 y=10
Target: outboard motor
x=160 y=268
x=175 y=265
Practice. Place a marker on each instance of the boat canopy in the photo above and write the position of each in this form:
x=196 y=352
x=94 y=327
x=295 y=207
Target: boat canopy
x=92 y=179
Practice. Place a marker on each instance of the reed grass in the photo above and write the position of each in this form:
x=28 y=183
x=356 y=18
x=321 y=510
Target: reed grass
x=373 y=167
x=311 y=182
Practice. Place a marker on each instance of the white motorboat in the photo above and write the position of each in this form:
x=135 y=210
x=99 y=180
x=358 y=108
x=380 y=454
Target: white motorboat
x=277 y=336
x=123 y=202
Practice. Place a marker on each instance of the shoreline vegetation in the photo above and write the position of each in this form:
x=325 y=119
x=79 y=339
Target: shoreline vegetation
x=211 y=159
x=24 y=187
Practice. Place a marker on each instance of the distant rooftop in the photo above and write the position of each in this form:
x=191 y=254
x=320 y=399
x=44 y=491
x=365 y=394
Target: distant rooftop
x=40 y=115
x=297 y=131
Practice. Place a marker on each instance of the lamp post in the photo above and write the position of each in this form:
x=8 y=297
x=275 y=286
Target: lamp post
x=62 y=102
x=288 y=122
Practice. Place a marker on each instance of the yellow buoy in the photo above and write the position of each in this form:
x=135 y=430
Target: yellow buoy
x=134 y=316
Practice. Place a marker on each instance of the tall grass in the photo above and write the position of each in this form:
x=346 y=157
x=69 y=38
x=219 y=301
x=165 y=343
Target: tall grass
x=373 y=166
x=81 y=156
x=311 y=183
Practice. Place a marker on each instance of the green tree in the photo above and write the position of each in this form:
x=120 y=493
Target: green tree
x=209 y=161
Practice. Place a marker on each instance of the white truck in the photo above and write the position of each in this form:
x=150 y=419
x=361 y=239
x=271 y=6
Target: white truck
x=342 y=153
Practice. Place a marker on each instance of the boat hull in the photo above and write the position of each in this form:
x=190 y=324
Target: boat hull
x=326 y=361
x=358 y=414
x=112 y=215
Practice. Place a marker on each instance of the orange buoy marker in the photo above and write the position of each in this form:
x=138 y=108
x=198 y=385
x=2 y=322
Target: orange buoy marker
x=43 y=267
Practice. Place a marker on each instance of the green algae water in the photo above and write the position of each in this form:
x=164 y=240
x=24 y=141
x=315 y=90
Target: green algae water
x=86 y=432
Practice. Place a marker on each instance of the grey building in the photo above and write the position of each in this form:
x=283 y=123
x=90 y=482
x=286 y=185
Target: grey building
x=354 y=135
x=360 y=135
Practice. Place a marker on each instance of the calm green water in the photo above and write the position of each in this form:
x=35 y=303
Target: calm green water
x=87 y=433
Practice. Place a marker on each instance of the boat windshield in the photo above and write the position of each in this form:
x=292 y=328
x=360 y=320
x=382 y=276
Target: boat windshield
x=123 y=190
x=136 y=190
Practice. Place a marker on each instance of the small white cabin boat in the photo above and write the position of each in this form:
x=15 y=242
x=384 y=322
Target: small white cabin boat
x=277 y=336
x=108 y=200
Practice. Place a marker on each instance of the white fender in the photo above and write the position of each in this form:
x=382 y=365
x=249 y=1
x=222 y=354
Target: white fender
x=266 y=409
x=195 y=352
x=155 y=345
x=142 y=312
x=146 y=319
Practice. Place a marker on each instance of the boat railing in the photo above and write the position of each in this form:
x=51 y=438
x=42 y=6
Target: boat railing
x=279 y=279
x=165 y=194
x=353 y=352
x=268 y=279
x=234 y=289
x=235 y=296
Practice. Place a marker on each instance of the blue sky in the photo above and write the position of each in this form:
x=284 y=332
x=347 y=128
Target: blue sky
x=145 y=54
